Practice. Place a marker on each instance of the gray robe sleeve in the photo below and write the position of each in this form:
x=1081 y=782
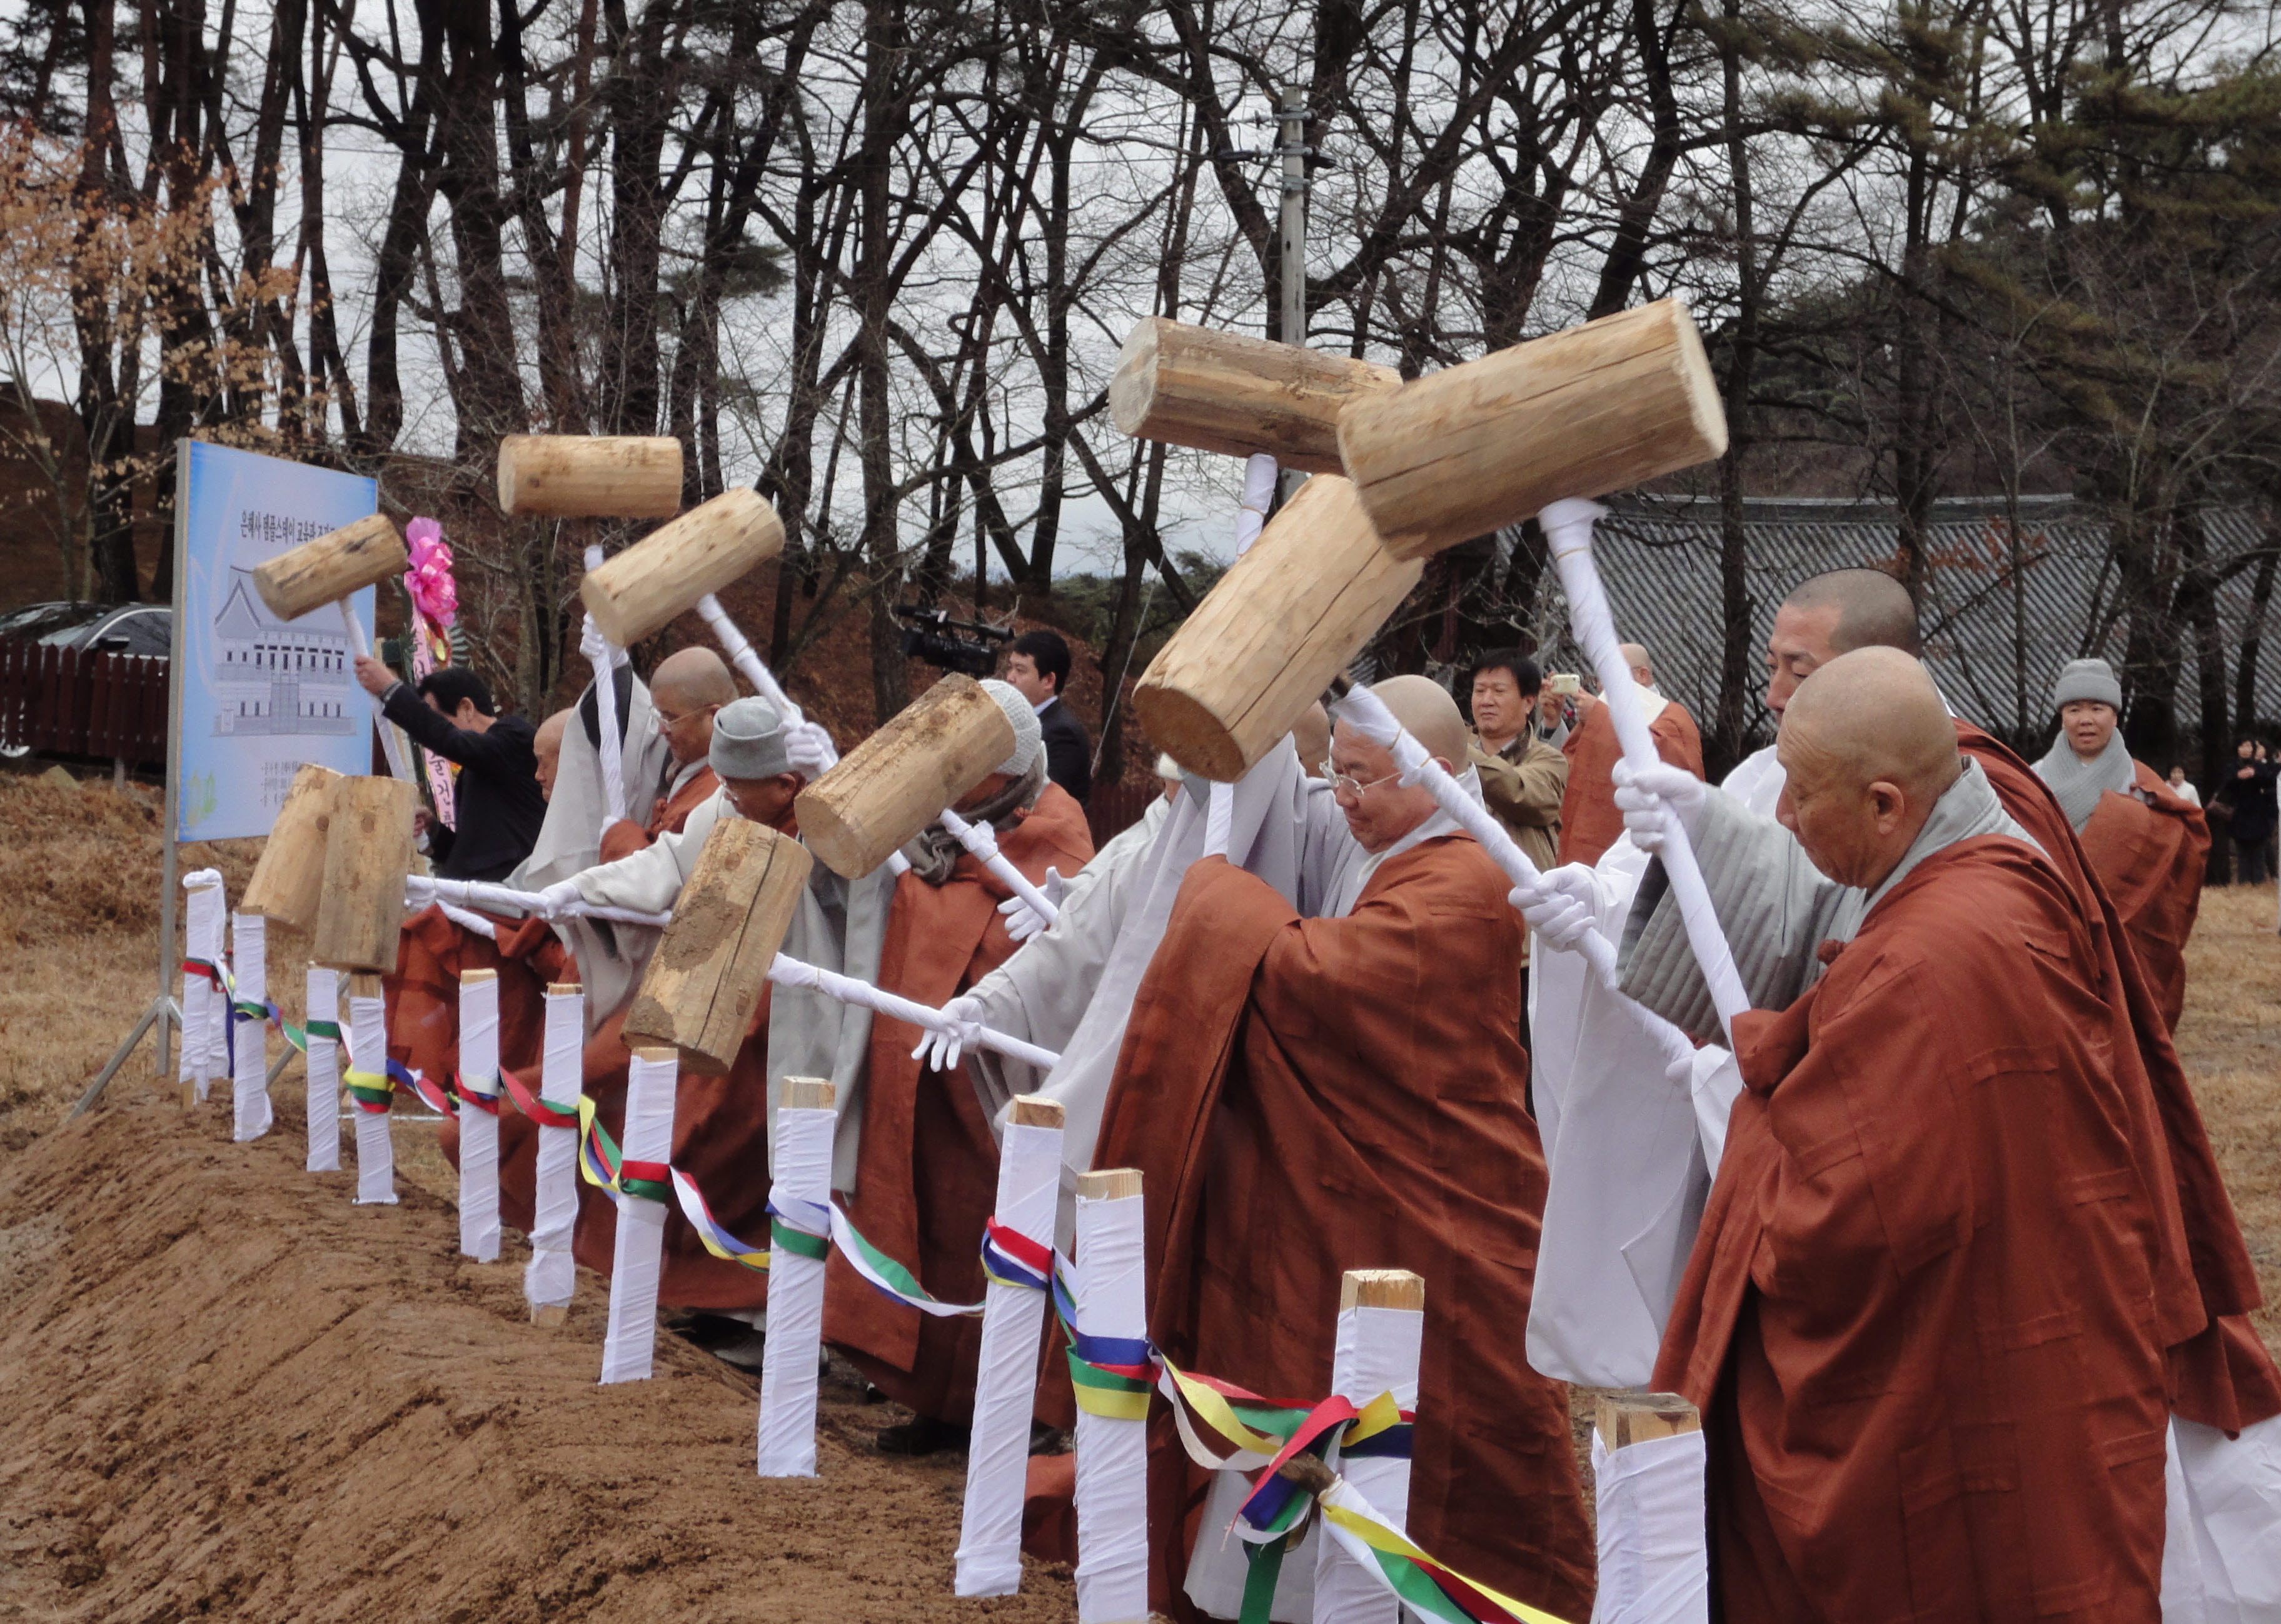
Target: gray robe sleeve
x=1775 y=906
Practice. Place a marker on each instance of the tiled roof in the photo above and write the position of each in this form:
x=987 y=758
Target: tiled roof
x=1659 y=560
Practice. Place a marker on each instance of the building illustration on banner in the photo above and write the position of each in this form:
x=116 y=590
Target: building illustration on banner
x=273 y=676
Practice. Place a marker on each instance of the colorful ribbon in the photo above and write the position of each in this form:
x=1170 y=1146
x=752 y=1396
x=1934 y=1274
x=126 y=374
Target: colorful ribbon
x=727 y=1247
x=885 y=1274
x=488 y=1103
x=602 y=1166
x=370 y=1091
x=535 y=1106
x=1011 y=1258
x=1428 y=1587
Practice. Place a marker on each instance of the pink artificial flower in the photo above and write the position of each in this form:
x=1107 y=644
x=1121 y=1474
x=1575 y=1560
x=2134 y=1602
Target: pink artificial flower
x=430 y=579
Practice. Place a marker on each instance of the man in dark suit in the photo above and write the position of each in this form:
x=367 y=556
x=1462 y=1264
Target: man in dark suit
x=1038 y=666
x=500 y=802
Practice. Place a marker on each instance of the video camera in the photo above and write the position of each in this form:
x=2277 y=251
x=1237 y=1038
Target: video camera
x=947 y=644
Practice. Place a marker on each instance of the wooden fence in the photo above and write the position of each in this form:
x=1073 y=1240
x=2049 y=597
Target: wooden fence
x=76 y=702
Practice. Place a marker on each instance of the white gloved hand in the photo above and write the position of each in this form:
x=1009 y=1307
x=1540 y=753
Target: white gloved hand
x=1645 y=796
x=1022 y=920
x=808 y=750
x=1562 y=907
x=961 y=1031
x=593 y=645
x=558 y=899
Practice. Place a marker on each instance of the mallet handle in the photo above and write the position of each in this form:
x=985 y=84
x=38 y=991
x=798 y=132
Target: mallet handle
x=977 y=838
x=358 y=647
x=788 y=972
x=1567 y=526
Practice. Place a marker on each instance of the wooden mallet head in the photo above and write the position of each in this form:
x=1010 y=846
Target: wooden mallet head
x=1595 y=408
x=1286 y=618
x=666 y=572
x=706 y=979
x=337 y=565
x=898 y=781
x=367 y=854
x=589 y=476
x=289 y=880
x=1224 y=392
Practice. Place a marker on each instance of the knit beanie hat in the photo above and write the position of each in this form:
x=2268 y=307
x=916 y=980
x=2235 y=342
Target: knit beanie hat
x=748 y=741
x=2087 y=679
x=1029 y=738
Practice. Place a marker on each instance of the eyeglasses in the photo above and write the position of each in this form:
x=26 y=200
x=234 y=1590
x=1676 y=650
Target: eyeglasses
x=1345 y=783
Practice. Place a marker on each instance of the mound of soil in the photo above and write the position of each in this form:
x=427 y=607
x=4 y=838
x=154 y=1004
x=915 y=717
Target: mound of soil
x=233 y=1393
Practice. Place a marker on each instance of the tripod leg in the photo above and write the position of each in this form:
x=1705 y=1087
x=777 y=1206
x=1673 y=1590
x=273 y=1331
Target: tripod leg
x=159 y=1009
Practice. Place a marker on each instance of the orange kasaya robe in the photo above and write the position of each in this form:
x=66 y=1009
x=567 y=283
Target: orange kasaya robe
x=625 y=837
x=2221 y=1372
x=1921 y=1317
x=1309 y=1096
x=926 y=1176
x=1590 y=822
x=2149 y=849
x=423 y=995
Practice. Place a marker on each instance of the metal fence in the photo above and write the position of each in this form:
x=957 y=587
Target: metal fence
x=76 y=702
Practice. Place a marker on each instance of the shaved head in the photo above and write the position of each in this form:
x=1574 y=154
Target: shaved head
x=1424 y=707
x=1867 y=748
x=1833 y=614
x=694 y=677
x=1635 y=655
x=546 y=743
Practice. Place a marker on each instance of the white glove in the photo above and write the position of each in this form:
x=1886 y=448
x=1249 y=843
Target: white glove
x=1644 y=797
x=808 y=750
x=1562 y=907
x=961 y=1031
x=558 y=899
x=1022 y=920
x=593 y=645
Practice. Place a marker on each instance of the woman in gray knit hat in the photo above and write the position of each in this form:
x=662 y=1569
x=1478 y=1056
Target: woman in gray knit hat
x=2148 y=845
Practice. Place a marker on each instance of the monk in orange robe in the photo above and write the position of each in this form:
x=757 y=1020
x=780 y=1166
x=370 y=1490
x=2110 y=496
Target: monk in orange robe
x=927 y=1174
x=2148 y=845
x=1590 y=822
x=1921 y=1316
x=1309 y=1096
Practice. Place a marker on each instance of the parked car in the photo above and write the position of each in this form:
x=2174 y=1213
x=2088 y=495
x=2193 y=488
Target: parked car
x=112 y=629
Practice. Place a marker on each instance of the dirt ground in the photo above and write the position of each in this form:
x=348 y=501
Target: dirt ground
x=231 y=1393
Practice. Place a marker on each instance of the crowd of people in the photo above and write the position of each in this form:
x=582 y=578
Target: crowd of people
x=1932 y=1233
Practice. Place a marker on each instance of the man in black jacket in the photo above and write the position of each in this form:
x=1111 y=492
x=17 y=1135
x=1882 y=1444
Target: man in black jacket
x=499 y=805
x=1037 y=666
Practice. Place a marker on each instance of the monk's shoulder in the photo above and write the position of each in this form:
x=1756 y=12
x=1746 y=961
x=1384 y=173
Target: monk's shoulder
x=1968 y=912
x=1055 y=826
x=1449 y=875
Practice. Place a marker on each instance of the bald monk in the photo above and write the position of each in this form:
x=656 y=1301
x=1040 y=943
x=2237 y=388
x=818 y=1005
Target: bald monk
x=1590 y=822
x=434 y=950
x=1309 y=1096
x=1919 y=1318
x=685 y=692
x=2225 y=1390
x=2147 y=844
x=927 y=1174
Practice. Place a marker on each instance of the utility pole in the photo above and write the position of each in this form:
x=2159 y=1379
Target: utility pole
x=1291 y=119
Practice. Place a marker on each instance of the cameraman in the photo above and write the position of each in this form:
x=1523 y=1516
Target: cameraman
x=1037 y=666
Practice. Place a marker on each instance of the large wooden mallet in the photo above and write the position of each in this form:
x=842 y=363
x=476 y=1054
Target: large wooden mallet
x=898 y=781
x=642 y=588
x=367 y=854
x=332 y=569
x=1284 y=620
x=711 y=966
x=589 y=476
x=1243 y=396
x=1595 y=408
x=288 y=879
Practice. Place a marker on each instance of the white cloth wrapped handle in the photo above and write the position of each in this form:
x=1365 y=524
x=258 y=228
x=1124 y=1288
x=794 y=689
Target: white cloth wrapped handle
x=977 y=838
x=1259 y=493
x=788 y=972
x=1567 y=528
x=388 y=744
x=748 y=663
x=451 y=894
x=606 y=659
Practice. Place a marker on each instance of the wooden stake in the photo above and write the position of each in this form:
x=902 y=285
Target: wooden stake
x=591 y=476
x=898 y=781
x=1036 y=1111
x=337 y=565
x=365 y=984
x=1381 y=1289
x=290 y=877
x=1109 y=1183
x=706 y=979
x=367 y=853
x=1626 y=1418
x=1284 y=620
x=1581 y=414
x=703 y=551
x=1228 y=393
x=808 y=1094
